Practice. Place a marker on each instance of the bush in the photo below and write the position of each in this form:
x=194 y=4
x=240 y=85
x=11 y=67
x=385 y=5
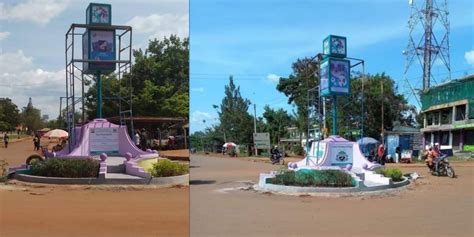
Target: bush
x=394 y=173
x=3 y=171
x=297 y=150
x=166 y=168
x=67 y=168
x=314 y=178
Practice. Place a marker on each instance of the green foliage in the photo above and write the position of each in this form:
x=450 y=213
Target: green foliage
x=69 y=168
x=3 y=170
x=296 y=86
x=9 y=115
x=277 y=121
x=235 y=120
x=314 y=178
x=394 y=173
x=31 y=117
x=159 y=80
x=297 y=150
x=166 y=168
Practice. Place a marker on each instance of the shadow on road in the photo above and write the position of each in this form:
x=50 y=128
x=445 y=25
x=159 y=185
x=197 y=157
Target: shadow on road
x=200 y=182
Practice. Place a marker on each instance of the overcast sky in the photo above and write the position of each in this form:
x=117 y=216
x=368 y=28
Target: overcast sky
x=32 y=35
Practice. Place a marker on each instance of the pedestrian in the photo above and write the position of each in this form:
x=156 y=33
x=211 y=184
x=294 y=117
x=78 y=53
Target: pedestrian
x=380 y=154
x=5 y=139
x=398 y=154
x=36 y=142
x=137 y=138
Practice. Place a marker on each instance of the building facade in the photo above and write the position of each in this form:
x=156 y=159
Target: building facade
x=448 y=115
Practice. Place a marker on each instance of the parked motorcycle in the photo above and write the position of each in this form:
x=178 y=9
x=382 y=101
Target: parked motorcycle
x=441 y=167
x=277 y=158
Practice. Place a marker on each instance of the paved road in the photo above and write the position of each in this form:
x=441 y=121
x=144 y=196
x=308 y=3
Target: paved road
x=433 y=206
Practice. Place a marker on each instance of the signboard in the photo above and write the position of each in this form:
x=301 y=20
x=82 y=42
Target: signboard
x=99 y=14
x=261 y=140
x=98 y=45
x=341 y=155
x=103 y=140
x=335 y=46
x=335 y=76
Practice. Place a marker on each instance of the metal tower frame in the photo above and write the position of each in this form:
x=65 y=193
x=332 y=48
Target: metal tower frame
x=74 y=71
x=432 y=17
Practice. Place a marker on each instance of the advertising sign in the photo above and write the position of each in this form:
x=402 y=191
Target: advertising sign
x=262 y=140
x=335 y=76
x=335 y=46
x=99 y=45
x=341 y=155
x=103 y=140
x=99 y=14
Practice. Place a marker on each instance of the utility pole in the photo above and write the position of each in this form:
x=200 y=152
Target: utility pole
x=255 y=126
x=381 y=92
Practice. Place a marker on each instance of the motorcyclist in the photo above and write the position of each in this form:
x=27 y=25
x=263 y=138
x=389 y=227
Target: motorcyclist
x=275 y=153
x=429 y=154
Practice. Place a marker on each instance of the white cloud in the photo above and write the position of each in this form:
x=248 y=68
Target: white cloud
x=20 y=79
x=273 y=77
x=198 y=89
x=469 y=56
x=161 y=25
x=198 y=117
x=38 y=11
x=4 y=35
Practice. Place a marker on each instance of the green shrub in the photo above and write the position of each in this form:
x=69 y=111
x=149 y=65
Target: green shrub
x=313 y=178
x=166 y=168
x=67 y=168
x=394 y=173
x=297 y=150
x=3 y=171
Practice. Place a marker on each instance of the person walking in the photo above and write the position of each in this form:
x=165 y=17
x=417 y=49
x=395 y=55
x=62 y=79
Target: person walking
x=6 y=139
x=137 y=138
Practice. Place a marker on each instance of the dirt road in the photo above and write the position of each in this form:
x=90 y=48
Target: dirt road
x=432 y=206
x=52 y=210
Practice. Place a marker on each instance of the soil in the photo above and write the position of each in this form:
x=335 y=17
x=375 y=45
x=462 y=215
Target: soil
x=224 y=204
x=78 y=210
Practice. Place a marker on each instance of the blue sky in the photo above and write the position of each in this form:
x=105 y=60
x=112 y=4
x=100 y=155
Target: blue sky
x=32 y=34
x=257 y=41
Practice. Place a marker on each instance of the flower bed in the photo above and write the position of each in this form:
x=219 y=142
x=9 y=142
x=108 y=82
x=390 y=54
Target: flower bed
x=67 y=168
x=394 y=173
x=313 y=178
x=167 y=168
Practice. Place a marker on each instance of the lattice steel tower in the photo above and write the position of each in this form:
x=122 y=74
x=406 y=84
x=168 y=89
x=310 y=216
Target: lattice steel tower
x=428 y=39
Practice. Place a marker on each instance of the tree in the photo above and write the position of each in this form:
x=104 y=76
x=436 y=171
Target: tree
x=9 y=115
x=277 y=121
x=234 y=117
x=396 y=107
x=296 y=87
x=159 y=80
x=31 y=117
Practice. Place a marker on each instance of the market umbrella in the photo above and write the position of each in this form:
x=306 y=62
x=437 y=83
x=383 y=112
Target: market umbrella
x=56 y=133
x=367 y=140
x=227 y=144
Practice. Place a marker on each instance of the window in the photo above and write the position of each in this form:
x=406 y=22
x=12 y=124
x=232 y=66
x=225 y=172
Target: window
x=444 y=139
x=446 y=116
x=436 y=118
x=460 y=112
x=429 y=119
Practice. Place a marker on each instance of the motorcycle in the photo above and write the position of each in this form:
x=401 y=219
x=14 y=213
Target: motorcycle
x=277 y=158
x=441 y=167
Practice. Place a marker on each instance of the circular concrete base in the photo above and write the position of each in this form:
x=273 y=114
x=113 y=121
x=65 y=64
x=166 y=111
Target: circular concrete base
x=168 y=181
x=298 y=190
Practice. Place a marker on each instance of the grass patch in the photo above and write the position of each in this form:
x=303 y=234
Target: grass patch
x=394 y=173
x=313 y=178
x=167 y=168
x=67 y=168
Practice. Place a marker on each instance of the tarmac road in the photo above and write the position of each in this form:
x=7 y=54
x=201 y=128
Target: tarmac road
x=432 y=206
